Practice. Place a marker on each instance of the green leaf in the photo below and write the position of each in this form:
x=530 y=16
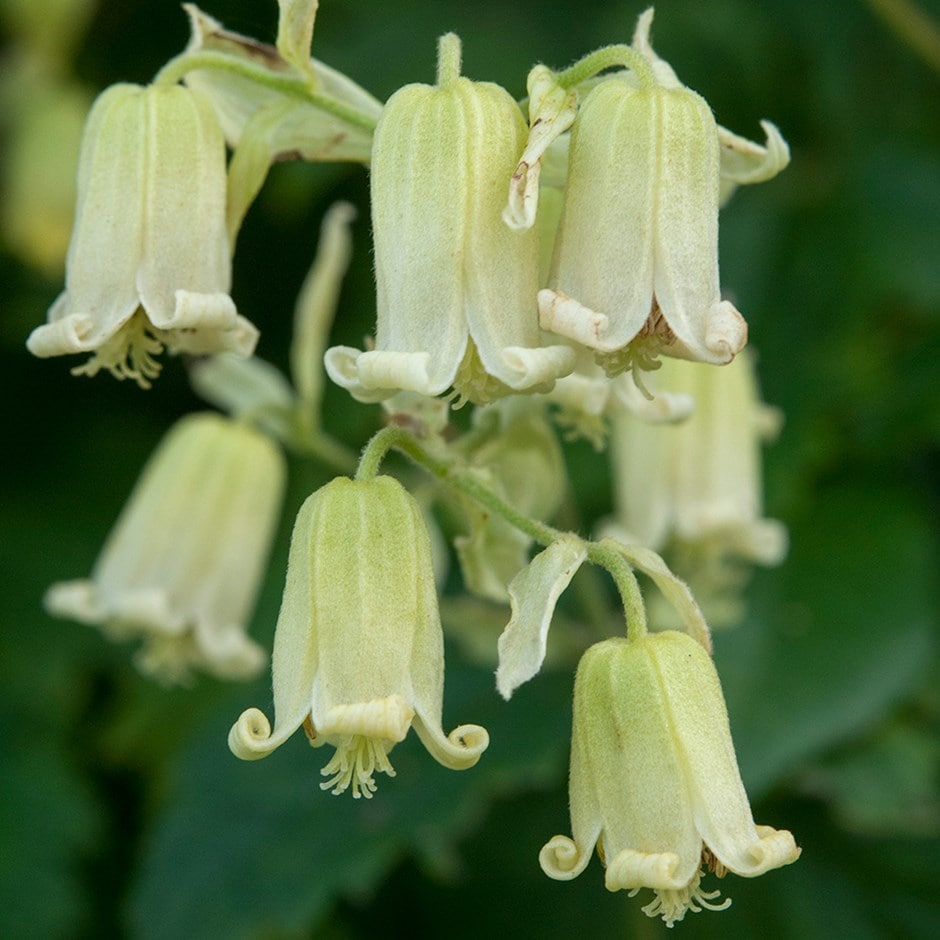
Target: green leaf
x=837 y=637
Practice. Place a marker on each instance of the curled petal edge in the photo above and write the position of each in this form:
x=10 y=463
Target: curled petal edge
x=71 y=334
x=562 y=859
x=534 y=367
x=630 y=869
x=561 y=314
x=775 y=848
x=250 y=738
x=459 y=750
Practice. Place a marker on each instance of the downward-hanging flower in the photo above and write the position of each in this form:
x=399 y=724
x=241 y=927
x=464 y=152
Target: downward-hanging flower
x=148 y=266
x=358 y=651
x=635 y=270
x=654 y=781
x=456 y=286
x=699 y=482
x=182 y=566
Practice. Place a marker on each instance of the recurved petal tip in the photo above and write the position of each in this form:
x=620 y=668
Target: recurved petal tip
x=562 y=860
x=630 y=869
x=459 y=750
x=776 y=848
x=250 y=737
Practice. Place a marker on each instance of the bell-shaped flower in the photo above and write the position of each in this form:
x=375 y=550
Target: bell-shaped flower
x=654 y=782
x=456 y=286
x=358 y=650
x=148 y=265
x=635 y=268
x=182 y=566
x=699 y=481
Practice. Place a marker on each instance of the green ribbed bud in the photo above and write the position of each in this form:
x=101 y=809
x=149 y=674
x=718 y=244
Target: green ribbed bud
x=358 y=650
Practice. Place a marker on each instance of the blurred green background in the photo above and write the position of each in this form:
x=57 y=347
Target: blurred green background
x=122 y=812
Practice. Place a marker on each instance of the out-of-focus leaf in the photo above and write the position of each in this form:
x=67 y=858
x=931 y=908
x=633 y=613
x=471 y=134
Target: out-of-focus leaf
x=247 y=848
x=886 y=784
x=48 y=821
x=838 y=636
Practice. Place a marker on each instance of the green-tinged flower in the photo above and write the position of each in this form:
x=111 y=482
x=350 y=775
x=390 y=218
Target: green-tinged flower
x=654 y=781
x=358 y=650
x=699 y=481
x=456 y=286
x=182 y=566
x=635 y=270
x=148 y=266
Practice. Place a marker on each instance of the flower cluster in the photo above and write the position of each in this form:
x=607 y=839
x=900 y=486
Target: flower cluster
x=536 y=260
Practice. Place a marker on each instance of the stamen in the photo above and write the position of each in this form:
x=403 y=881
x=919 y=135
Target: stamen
x=354 y=764
x=710 y=861
x=473 y=383
x=642 y=353
x=129 y=354
x=672 y=904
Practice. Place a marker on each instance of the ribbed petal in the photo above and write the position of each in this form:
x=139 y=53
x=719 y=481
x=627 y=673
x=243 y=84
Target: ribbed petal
x=685 y=234
x=419 y=181
x=603 y=253
x=696 y=712
x=186 y=247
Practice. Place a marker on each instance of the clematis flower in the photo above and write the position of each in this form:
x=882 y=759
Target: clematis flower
x=148 y=265
x=358 y=651
x=654 y=781
x=456 y=286
x=182 y=566
x=695 y=489
x=635 y=272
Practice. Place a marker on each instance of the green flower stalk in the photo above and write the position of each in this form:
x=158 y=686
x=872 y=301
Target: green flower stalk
x=358 y=651
x=654 y=781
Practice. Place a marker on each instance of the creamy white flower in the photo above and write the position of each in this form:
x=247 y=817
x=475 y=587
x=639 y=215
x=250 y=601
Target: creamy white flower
x=456 y=286
x=148 y=266
x=699 y=481
x=654 y=781
x=358 y=650
x=635 y=270
x=182 y=566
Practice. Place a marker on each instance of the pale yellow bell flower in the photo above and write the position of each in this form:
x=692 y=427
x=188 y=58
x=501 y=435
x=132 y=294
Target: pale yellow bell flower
x=148 y=265
x=699 y=481
x=654 y=781
x=183 y=565
x=358 y=650
x=456 y=286
x=635 y=268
